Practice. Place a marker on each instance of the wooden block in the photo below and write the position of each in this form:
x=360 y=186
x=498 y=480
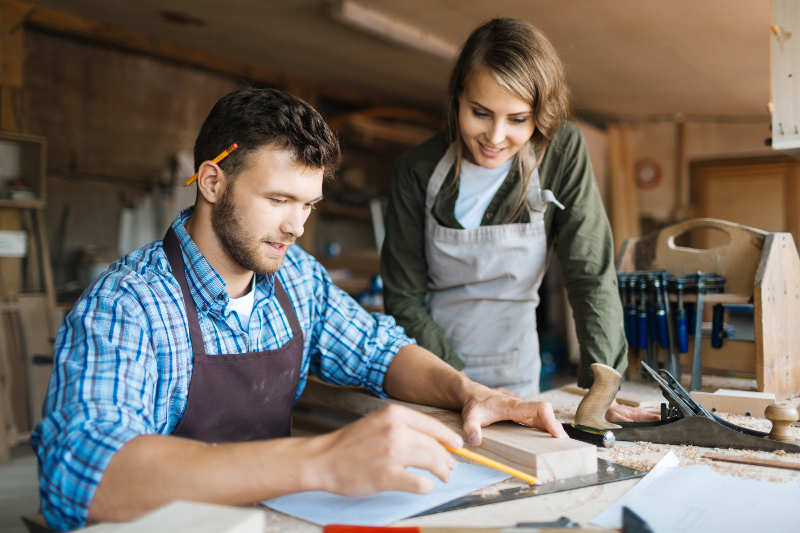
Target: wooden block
x=526 y=449
x=745 y=403
x=192 y=517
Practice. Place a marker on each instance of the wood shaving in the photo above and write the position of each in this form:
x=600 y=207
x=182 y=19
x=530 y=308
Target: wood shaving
x=644 y=455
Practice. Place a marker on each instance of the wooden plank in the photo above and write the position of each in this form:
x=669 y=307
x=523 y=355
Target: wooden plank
x=33 y=312
x=47 y=271
x=777 y=306
x=5 y=403
x=192 y=517
x=526 y=449
x=682 y=186
x=16 y=372
x=745 y=403
x=624 y=212
x=12 y=15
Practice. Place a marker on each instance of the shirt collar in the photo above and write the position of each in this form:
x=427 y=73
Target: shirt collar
x=208 y=287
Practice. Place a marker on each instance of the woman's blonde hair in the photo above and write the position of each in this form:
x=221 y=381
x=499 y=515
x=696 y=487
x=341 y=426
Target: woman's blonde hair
x=523 y=61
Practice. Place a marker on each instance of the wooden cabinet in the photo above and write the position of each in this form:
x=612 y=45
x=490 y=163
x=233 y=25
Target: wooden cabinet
x=760 y=192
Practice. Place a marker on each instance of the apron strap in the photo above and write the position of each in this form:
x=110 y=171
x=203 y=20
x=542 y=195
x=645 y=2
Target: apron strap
x=286 y=305
x=536 y=195
x=173 y=251
x=438 y=176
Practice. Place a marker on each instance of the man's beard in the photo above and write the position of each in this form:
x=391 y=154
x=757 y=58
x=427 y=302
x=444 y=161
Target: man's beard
x=236 y=241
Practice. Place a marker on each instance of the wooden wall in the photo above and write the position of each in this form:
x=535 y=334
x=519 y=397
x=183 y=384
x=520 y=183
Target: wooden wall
x=703 y=141
x=113 y=119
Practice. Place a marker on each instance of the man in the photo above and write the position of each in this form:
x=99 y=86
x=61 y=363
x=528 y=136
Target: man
x=176 y=371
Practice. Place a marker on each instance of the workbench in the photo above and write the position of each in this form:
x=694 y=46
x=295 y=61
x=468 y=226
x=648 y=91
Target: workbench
x=580 y=505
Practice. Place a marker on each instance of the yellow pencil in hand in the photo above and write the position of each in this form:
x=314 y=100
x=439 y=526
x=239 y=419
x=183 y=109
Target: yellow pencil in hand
x=491 y=463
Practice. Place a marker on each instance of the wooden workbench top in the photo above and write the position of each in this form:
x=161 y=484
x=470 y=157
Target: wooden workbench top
x=581 y=505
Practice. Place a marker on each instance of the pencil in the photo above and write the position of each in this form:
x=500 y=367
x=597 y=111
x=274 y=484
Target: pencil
x=225 y=153
x=491 y=463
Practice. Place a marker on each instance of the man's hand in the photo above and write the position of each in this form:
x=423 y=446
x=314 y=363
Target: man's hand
x=485 y=406
x=371 y=455
x=624 y=413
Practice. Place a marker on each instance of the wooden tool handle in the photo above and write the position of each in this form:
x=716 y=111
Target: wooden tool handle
x=734 y=232
x=592 y=410
x=782 y=415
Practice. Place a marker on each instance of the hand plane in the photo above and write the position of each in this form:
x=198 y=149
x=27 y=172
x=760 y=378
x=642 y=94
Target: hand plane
x=683 y=420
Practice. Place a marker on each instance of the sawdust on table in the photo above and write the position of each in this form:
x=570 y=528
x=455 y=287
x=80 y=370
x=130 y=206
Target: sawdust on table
x=645 y=455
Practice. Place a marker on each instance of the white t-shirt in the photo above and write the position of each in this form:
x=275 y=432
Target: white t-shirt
x=477 y=187
x=243 y=305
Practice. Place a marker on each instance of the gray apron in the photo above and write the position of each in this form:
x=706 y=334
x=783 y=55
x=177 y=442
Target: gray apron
x=483 y=288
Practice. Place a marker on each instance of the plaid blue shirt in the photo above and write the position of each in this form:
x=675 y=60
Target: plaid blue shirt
x=123 y=359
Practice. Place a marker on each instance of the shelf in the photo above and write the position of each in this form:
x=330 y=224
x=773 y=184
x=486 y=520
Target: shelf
x=24 y=159
x=719 y=298
x=33 y=203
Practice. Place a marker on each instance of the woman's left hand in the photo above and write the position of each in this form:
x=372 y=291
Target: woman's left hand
x=486 y=406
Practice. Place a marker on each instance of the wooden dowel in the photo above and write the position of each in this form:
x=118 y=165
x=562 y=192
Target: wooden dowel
x=757 y=461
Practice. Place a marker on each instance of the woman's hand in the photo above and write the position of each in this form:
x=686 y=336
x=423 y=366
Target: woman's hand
x=485 y=406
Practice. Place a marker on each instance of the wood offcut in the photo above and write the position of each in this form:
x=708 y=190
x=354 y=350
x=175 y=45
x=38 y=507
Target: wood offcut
x=526 y=449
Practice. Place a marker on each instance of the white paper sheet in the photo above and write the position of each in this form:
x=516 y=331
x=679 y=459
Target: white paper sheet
x=697 y=499
x=386 y=507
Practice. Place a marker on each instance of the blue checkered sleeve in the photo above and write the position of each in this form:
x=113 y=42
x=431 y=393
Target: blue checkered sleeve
x=100 y=397
x=123 y=357
x=350 y=346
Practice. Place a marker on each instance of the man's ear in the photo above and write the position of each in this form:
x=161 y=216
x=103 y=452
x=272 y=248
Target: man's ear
x=211 y=182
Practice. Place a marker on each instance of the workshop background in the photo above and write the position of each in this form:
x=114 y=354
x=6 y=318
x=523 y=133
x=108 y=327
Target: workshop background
x=688 y=109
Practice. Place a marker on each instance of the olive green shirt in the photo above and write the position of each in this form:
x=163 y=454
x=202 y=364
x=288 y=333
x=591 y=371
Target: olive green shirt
x=579 y=234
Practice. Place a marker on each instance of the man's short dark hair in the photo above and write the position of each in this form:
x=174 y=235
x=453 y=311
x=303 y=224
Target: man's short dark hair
x=253 y=118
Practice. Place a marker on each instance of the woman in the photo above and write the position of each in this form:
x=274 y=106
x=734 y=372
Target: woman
x=475 y=212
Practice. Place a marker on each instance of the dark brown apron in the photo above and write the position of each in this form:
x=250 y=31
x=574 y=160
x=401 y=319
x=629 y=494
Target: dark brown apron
x=237 y=397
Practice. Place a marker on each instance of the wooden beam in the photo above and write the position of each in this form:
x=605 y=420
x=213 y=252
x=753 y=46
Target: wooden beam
x=12 y=17
x=682 y=198
x=526 y=449
x=51 y=20
x=622 y=187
